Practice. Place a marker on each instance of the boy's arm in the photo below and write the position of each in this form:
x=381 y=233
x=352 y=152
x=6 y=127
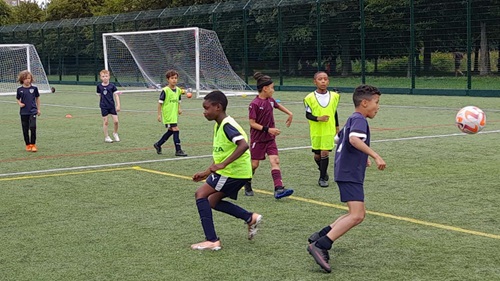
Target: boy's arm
x=256 y=126
x=202 y=175
x=159 y=112
x=288 y=112
x=37 y=99
x=117 y=98
x=361 y=146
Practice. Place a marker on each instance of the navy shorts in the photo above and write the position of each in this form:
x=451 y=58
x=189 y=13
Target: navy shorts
x=106 y=111
x=171 y=125
x=228 y=186
x=351 y=191
x=258 y=150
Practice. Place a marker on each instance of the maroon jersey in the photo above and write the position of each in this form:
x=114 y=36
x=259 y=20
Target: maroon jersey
x=261 y=110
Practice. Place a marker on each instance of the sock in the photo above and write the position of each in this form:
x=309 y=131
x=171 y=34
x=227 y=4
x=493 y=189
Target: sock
x=325 y=230
x=233 y=210
x=177 y=141
x=207 y=221
x=278 y=182
x=324 y=243
x=323 y=166
x=164 y=138
x=248 y=185
x=318 y=161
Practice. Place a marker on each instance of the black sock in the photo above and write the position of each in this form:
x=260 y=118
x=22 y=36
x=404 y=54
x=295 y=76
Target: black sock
x=324 y=243
x=177 y=141
x=324 y=231
x=323 y=166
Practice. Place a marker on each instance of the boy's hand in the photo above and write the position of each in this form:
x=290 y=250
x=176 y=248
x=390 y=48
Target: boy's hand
x=289 y=120
x=38 y=112
x=324 y=118
x=118 y=109
x=200 y=176
x=159 y=118
x=180 y=111
x=22 y=105
x=380 y=163
x=274 y=131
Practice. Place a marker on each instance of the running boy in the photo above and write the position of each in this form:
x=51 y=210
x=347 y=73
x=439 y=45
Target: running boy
x=351 y=160
x=169 y=109
x=108 y=93
x=263 y=133
x=321 y=111
x=229 y=171
x=28 y=99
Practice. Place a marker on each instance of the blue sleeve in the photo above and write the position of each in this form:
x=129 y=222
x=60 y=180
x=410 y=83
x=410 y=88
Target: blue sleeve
x=162 y=96
x=359 y=125
x=98 y=91
x=37 y=94
x=18 y=95
x=114 y=89
x=231 y=132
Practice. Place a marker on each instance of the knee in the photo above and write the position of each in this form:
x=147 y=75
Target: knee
x=105 y=122
x=357 y=218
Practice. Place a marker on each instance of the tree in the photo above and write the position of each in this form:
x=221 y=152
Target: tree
x=70 y=9
x=5 y=12
x=27 y=12
x=109 y=7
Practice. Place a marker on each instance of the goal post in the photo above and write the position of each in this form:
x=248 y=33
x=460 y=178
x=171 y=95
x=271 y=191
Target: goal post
x=139 y=60
x=15 y=58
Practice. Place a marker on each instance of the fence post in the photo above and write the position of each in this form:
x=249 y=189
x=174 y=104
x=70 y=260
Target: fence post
x=412 y=45
x=469 y=47
x=362 y=34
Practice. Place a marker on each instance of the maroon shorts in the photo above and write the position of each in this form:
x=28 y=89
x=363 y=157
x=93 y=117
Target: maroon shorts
x=258 y=150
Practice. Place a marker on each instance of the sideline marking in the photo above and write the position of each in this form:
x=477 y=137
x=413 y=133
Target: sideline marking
x=296 y=198
x=65 y=174
x=209 y=156
x=337 y=206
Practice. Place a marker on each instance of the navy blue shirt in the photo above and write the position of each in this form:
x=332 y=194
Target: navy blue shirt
x=350 y=163
x=106 y=94
x=28 y=97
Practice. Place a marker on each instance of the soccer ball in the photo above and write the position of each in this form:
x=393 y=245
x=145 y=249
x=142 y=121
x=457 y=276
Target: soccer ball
x=470 y=120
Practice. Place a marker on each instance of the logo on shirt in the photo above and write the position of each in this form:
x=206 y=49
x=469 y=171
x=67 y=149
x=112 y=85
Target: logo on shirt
x=272 y=103
x=105 y=92
x=218 y=149
x=32 y=91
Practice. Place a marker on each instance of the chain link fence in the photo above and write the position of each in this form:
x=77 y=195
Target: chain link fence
x=414 y=47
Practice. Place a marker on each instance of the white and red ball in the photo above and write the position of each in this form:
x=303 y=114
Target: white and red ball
x=470 y=119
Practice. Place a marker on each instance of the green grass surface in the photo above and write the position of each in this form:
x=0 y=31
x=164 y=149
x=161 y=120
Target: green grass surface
x=82 y=209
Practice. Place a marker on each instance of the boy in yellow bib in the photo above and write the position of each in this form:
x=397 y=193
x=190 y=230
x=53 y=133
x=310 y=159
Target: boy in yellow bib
x=321 y=112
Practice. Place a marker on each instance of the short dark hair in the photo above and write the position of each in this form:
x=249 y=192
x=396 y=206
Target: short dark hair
x=171 y=73
x=217 y=97
x=262 y=80
x=364 y=92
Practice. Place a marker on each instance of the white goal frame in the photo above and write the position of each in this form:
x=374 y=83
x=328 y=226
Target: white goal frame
x=203 y=71
x=16 y=58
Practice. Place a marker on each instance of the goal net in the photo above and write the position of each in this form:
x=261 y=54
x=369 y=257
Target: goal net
x=15 y=58
x=139 y=60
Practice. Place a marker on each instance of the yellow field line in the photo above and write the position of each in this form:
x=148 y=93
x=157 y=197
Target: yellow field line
x=311 y=201
x=342 y=207
x=65 y=174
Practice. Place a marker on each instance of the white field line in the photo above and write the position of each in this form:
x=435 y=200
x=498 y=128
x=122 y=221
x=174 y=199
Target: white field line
x=209 y=156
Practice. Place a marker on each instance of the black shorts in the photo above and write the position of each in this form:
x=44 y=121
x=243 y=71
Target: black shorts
x=106 y=111
x=171 y=125
x=351 y=191
x=228 y=186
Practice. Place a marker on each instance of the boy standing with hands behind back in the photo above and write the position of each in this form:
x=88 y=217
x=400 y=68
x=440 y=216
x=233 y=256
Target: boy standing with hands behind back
x=169 y=109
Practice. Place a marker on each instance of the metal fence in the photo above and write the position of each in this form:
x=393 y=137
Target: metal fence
x=412 y=46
